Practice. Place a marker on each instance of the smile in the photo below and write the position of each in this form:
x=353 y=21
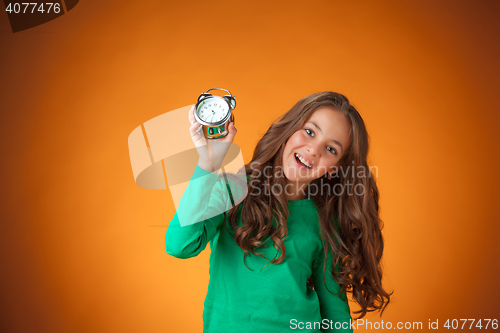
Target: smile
x=302 y=161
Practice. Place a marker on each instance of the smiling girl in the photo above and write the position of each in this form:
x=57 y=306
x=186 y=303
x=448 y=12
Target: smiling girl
x=302 y=198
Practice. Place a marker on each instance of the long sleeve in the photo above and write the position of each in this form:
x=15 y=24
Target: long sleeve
x=199 y=214
x=332 y=307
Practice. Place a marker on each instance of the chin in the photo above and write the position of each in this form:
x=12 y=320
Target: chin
x=287 y=177
x=295 y=175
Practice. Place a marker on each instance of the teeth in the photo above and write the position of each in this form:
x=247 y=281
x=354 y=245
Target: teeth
x=303 y=161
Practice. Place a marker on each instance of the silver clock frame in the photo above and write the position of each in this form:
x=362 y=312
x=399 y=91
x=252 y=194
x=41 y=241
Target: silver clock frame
x=224 y=120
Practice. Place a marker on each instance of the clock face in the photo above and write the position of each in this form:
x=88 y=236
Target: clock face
x=213 y=110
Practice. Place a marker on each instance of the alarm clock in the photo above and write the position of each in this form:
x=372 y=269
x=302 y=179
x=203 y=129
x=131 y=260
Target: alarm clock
x=214 y=113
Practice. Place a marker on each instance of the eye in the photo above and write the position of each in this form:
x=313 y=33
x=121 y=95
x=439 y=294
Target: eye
x=333 y=150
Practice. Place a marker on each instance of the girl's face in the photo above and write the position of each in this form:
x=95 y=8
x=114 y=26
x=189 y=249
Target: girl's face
x=321 y=142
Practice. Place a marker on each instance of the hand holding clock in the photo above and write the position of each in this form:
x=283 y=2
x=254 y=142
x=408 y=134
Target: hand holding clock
x=218 y=147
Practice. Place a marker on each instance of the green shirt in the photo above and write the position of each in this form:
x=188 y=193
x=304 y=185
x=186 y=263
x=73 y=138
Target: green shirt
x=274 y=298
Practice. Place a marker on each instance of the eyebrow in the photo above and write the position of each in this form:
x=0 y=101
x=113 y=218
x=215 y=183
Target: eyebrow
x=334 y=141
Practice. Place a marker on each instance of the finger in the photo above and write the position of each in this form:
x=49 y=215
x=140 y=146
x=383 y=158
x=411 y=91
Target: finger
x=194 y=129
x=232 y=132
x=198 y=138
x=191 y=115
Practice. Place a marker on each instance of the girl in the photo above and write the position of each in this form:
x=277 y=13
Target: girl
x=309 y=194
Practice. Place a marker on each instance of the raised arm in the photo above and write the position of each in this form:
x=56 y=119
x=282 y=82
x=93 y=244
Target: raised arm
x=205 y=200
x=200 y=212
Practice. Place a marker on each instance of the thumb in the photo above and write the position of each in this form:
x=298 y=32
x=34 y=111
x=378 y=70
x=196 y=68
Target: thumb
x=232 y=131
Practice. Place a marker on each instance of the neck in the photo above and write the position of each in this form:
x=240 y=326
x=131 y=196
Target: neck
x=295 y=190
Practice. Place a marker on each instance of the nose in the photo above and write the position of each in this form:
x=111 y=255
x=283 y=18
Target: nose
x=313 y=149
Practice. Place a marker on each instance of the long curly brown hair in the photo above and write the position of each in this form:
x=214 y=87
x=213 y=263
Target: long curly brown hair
x=349 y=223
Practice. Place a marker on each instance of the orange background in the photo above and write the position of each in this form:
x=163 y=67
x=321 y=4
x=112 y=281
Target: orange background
x=82 y=246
